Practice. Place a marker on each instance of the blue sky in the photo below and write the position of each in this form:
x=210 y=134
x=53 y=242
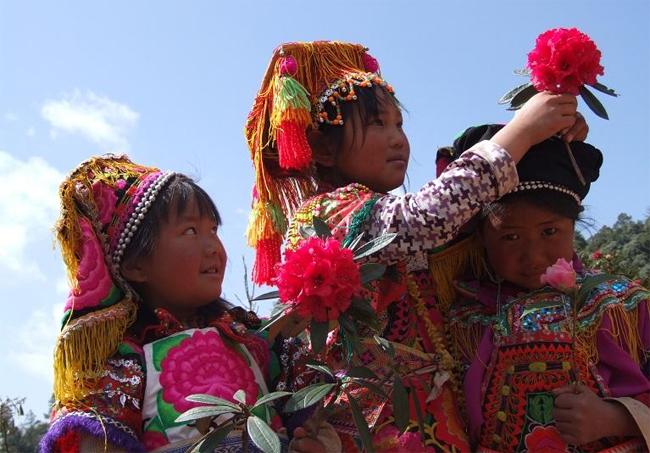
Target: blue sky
x=171 y=83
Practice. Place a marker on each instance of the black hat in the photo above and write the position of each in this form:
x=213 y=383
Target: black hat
x=547 y=165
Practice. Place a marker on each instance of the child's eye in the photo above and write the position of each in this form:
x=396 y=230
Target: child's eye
x=549 y=231
x=376 y=122
x=510 y=237
x=189 y=231
x=215 y=230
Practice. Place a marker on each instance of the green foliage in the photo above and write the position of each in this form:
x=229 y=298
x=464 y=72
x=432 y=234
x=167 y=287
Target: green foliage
x=19 y=432
x=622 y=249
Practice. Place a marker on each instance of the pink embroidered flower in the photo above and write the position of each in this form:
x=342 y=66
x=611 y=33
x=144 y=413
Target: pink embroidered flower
x=563 y=60
x=105 y=200
x=560 y=275
x=153 y=439
x=94 y=281
x=545 y=439
x=204 y=364
x=319 y=279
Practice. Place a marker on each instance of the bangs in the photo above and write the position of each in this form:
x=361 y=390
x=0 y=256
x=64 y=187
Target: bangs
x=182 y=191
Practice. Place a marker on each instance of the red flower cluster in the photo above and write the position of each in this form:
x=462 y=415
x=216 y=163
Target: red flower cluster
x=563 y=60
x=318 y=279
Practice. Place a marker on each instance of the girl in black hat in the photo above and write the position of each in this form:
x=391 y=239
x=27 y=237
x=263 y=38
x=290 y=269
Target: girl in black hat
x=545 y=369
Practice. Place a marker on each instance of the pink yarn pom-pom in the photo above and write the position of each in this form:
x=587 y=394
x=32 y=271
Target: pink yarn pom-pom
x=370 y=63
x=288 y=66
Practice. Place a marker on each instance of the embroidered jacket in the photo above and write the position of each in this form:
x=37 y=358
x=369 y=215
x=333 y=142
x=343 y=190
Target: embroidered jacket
x=517 y=347
x=143 y=388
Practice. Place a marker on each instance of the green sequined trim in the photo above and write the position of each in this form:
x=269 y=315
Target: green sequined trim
x=357 y=224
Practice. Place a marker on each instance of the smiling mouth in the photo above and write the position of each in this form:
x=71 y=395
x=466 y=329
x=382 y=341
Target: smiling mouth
x=210 y=271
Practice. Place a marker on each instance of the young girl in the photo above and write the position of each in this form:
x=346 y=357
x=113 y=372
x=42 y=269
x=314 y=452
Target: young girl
x=540 y=373
x=326 y=139
x=144 y=325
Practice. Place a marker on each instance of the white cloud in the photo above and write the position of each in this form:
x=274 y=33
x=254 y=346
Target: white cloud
x=30 y=132
x=28 y=208
x=97 y=118
x=10 y=117
x=34 y=342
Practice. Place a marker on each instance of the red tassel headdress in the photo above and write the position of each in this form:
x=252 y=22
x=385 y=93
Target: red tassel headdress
x=301 y=80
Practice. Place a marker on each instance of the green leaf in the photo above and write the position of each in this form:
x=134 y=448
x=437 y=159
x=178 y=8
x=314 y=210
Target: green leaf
x=320 y=227
x=355 y=242
x=371 y=271
x=418 y=414
x=197 y=413
x=512 y=93
x=209 y=399
x=273 y=319
x=347 y=324
x=361 y=310
x=211 y=440
x=371 y=386
x=168 y=414
x=385 y=345
x=321 y=368
x=240 y=395
x=589 y=284
x=267 y=296
x=525 y=72
x=161 y=348
x=270 y=397
x=593 y=103
x=360 y=423
x=307 y=396
x=603 y=89
x=536 y=306
x=374 y=245
x=400 y=404
x=318 y=335
x=306 y=231
x=262 y=435
x=522 y=97
x=361 y=372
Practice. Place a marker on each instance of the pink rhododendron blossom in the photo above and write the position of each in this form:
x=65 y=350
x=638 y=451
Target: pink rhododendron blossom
x=560 y=275
x=563 y=60
x=318 y=279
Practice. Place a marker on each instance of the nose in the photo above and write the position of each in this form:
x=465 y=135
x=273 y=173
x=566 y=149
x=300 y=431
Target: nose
x=397 y=138
x=533 y=256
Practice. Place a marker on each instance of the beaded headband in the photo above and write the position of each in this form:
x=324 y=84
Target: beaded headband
x=343 y=91
x=137 y=216
x=537 y=185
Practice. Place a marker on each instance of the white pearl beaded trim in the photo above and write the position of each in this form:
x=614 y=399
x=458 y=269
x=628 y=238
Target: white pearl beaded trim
x=138 y=214
x=532 y=185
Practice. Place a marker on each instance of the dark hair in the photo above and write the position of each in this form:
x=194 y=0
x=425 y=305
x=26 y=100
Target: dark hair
x=551 y=200
x=179 y=190
x=359 y=113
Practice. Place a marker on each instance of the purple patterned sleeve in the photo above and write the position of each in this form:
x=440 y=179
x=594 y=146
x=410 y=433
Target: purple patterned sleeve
x=432 y=216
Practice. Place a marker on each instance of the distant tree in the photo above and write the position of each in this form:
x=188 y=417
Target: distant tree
x=18 y=437
x=623 y=248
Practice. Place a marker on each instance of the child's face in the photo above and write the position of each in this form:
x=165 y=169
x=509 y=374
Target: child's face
x=525 y=240
x=186 y=269
x=380 y=161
